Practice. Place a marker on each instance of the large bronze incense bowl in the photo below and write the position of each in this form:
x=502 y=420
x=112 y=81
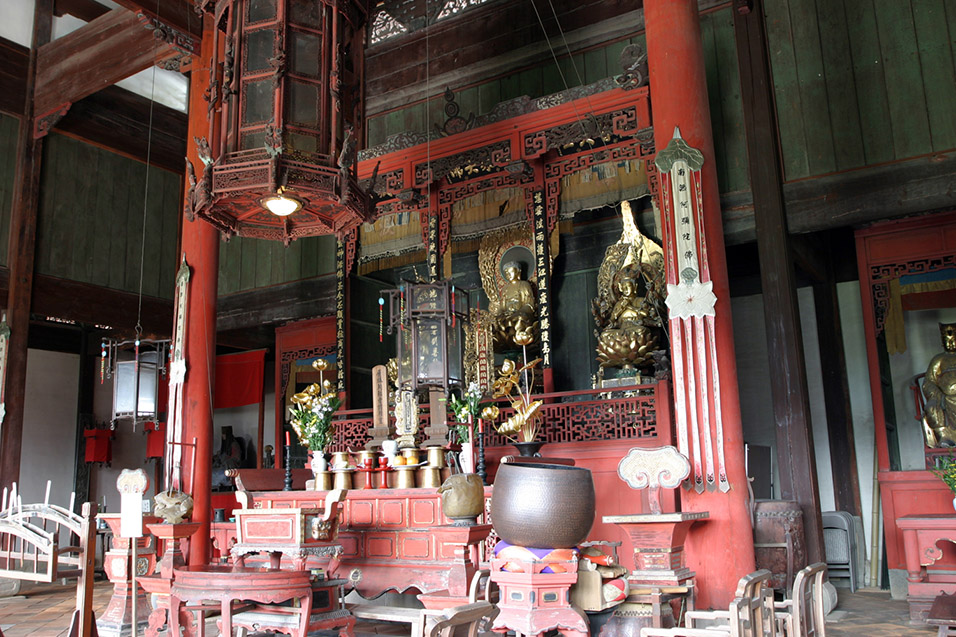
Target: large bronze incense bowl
x=542 y=505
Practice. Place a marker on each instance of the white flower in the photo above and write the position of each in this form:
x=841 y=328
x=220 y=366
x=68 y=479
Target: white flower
x=691 y=298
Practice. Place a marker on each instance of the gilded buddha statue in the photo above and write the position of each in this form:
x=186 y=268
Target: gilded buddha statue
x=628 y=310
x=631 y=332
x=939 y=392
x=518 y=309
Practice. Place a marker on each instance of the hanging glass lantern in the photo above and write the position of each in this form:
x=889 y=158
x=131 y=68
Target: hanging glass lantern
x=428 y=319
x=136 y=368
x=286 y=114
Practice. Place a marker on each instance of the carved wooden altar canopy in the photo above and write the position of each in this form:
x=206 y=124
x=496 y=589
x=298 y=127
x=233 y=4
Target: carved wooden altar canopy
x=524 y=143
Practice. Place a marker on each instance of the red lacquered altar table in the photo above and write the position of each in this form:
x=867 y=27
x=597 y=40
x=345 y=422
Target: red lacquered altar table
x=229 y=584
x=920 y=536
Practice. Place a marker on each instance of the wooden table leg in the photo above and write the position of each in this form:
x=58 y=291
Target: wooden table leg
x=226 y=617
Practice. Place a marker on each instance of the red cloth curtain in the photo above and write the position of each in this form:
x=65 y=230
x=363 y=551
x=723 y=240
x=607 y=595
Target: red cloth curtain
x=99 y=445
x=155 y=439
x=239 y=379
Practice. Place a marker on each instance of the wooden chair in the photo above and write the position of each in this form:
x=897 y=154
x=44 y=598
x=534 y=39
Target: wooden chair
x=458 y=621
x=751 y=614
x=802 y=615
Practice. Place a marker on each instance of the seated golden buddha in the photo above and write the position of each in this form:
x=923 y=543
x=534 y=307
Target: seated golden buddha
x=630 y=333
x=519 y=310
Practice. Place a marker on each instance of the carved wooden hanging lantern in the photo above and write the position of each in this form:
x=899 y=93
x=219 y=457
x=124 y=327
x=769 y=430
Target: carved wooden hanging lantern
x=286 y=113
x=428 y=320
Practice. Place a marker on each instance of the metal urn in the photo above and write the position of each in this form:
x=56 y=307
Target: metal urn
x=542 y=505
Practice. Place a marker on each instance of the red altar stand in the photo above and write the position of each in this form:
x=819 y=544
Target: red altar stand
x=659 y=574
x=532 y=603
x=117 y=620
x=158 y=586
x=458 y=549
x=920 y=536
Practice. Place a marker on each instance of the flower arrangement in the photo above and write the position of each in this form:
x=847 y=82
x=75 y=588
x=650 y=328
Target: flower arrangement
x=466 y=409
x=312 y=414
x=524 y=425
x=946 y=471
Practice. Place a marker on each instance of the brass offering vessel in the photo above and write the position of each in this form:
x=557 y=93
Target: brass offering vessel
x=436 y=456
x=430 y=477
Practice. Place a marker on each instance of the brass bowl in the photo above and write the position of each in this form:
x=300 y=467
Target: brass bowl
x=542 y=505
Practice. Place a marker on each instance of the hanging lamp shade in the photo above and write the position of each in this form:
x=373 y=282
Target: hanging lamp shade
x=286 y=115
x=428 y=320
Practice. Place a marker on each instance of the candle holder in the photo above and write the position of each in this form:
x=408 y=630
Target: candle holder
x=288 y=468
x=480 y=442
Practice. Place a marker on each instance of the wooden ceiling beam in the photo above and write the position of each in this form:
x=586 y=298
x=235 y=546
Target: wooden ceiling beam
x=85 y=10
x=105 y=51
x=177 y=14
x=114 y=118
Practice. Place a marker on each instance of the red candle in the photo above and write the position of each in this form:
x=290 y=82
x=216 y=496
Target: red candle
x=288 y=442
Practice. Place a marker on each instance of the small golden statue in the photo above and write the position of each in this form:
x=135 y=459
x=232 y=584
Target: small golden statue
x=939 y=391
x=518 y=311
x=628 y=310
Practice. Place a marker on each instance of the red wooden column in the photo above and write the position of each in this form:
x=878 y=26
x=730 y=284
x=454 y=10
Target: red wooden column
x=200 y=244
x=721 y=549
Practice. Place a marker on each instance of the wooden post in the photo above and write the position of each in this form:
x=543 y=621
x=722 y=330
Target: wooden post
x=200 y=244
x=23 y=224
x=788 y=378
x=679 y=86
x=84 y=624
x=836 y=392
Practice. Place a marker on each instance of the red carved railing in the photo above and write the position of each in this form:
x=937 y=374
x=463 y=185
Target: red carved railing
x=576 y=416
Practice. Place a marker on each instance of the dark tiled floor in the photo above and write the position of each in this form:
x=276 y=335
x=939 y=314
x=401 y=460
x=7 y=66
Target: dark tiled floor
x=46 y=610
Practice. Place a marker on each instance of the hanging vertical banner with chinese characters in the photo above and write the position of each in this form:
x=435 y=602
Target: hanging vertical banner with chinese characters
x=177 y=376
x=690 y=300
x=542 y=260
x=340 y=274
x=431 y=247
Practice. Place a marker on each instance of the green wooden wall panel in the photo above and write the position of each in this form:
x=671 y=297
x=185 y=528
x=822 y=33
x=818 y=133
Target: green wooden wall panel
x=812 y=85
x=325 y=253
x=8 y=154
x=169 y=257
x=310 y=257
x=134 y=226
x=81 y=266
x=714 y=97
x=904 y=77
x=292 y=266
x=375 y=130
x=247 y=263
x=102 y=222
x=937 y=64
x=595 y=66
x=787 y=89
x=840 y=88
x=415 y=117
x=54 y=207
x=488 y=97
x=467 y=103
x=734 y=141
x=90 y=218
x=530 y=81
x=551 y=79
x=869 y=81
x=153 y=220
x=229 y=265
x=510 y=87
